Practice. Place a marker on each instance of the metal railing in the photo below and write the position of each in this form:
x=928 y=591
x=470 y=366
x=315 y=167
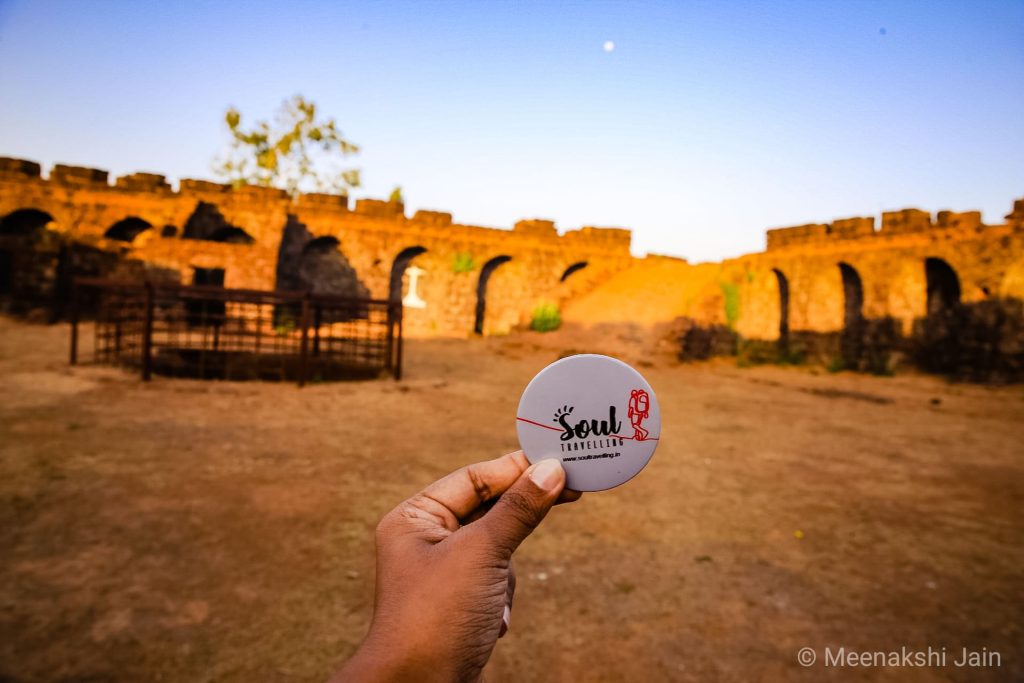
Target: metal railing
x=215 y=333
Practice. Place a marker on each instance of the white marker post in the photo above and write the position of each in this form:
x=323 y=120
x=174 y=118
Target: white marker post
x=412 y=299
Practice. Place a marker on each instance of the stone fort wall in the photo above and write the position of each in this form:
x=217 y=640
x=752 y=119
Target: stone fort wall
x=890 y=264
x=240 y=231
x=935 y=286
x=946 y=289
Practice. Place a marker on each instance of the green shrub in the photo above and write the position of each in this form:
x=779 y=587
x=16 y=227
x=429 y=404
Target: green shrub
x=750 y=352
x=546 y=318
x=790 y=356
x=463 y=263
x=731 y=293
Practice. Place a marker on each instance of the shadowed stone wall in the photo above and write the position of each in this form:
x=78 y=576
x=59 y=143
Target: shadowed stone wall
x=943 y=291
x=206 y=225
x=855 y=296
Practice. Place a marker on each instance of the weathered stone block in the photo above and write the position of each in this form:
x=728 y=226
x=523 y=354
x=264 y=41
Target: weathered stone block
x=320 y=201
x=259 y=193
x=19 y=167
x=536 y=227
x=439 y=218
x=906 y=221
x=965 y=220
x=852 y=228
x=800 y=234
x=190 y=185
x=143 y=182
x=78 y=175
x=379 y=208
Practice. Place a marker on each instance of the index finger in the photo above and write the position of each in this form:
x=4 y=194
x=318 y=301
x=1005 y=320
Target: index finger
x=466 y=489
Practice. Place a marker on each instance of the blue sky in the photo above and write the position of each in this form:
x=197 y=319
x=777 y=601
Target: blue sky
x=708 y=122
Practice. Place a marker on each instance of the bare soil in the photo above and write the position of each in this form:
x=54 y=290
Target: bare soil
x=210 y=531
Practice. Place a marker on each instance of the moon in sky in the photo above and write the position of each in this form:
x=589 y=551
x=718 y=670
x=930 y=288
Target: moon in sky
x=609 y=46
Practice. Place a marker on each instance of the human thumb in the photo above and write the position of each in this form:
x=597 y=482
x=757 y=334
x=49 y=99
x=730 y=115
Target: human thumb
x=522 y=507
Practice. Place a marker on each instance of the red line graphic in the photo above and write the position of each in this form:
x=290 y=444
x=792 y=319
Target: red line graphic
x=554 y=429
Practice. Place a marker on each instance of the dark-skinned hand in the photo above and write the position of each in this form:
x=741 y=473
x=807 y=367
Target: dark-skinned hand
x=444 y=570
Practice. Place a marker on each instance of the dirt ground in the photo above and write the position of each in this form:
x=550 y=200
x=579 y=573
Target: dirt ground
x=210 y=531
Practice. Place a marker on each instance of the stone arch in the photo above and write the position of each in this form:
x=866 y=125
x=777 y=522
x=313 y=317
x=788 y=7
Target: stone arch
x=6 y=271
x=853 y=312
x=783 y=283
x=942 y=286
x=580 y=265
x=481 y=290
x=398 y=267
x=127 y=229
x=18 y=256
x=941 y=331
x=24 y=222
x=208 y=223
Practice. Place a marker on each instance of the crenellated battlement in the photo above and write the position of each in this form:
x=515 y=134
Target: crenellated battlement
x=257 y=237
x=156 y=186
x=894 y=223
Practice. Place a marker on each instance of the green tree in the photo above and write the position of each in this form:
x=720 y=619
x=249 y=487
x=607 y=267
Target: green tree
x=297 y=152
x=396 y=195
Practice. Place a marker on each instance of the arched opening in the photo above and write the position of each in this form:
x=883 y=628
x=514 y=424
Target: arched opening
x=572 y=269
x=481 y=290
x=853 y=313
x=208 y=223
x=312 y=263
x=24 y=222
x=204 y=311
x=943 y=286
x=323 y=269
x=401 y=262
x=943 y=324
x=19 y=257
x=783 y=307
x=6 y=272
x=232 y=235
x=127 y=230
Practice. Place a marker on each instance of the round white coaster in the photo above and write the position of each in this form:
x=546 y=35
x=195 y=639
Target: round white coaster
x=596 y=414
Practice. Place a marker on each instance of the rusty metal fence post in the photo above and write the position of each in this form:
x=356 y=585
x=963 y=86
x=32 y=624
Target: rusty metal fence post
x=304 y=346
x=398 y=349
x=130 y=331
x=389 y=362
x=147 y=335
x=317 y=322
x=74 y=323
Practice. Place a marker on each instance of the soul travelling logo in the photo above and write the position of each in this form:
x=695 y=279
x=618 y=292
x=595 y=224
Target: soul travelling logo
x=589 y=433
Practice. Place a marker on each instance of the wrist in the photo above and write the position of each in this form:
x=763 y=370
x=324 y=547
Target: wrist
x=388 y=658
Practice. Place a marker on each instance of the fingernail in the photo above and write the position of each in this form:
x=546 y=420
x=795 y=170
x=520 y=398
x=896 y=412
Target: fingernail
x=546 y=474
